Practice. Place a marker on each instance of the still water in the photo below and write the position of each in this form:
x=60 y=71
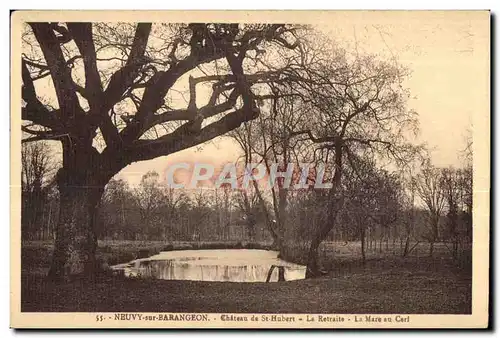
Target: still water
x=227 y=265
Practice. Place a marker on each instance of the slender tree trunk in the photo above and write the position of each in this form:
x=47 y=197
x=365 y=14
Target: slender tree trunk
x=334 y=205
x=80 y=182
x=272 y=227
x=435 y=234
x=251 y=230
x=363 y=253
x=320 y=236
x=407 y=246
x=277 y=239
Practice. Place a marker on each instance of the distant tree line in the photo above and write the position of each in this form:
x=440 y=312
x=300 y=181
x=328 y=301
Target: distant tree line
x=385 y=211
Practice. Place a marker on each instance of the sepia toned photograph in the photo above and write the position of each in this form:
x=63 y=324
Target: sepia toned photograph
x=317 y=169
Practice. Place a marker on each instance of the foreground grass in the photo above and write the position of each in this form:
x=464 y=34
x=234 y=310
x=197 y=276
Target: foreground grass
x=390 y=285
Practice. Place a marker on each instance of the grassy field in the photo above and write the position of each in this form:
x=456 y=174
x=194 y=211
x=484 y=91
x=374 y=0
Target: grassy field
x=385 y=284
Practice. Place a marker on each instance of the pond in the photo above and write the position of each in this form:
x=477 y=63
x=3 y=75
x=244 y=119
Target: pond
x=226 y=265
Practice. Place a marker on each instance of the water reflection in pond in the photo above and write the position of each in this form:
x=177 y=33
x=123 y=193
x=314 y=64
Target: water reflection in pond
x=227 y=265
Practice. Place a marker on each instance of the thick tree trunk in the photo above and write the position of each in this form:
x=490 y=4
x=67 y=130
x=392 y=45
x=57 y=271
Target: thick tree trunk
x=76 y=238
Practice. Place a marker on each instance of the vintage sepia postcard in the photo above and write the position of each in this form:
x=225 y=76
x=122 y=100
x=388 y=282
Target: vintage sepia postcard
x=250 y=169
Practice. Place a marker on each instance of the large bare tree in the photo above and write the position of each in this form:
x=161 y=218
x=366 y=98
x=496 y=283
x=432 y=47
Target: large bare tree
x=429 y=187
x=361 y=108
x=112 y=98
